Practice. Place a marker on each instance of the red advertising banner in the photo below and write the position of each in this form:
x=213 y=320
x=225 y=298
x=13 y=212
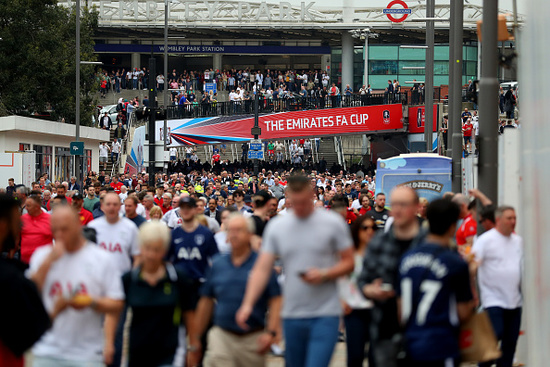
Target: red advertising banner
x=337 y=121
x=417 y=118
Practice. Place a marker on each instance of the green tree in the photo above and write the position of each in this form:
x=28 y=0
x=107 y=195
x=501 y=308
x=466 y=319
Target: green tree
x=37 y=59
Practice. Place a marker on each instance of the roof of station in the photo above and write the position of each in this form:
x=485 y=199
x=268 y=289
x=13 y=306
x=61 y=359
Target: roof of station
x=269 y=20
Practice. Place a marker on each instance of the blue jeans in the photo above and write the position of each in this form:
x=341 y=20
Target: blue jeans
x=357 y=337
x=310 y=342
x=506 y=324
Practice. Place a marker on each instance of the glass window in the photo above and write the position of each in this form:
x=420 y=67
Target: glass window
x=441 y=68
x=386 y=67
x=441 y=80
x=471 y=67
x=383 y=52
x=86 y=162
x=43 y=160
x=471 y=53
x=412 y=54
x=63 y=164
x=24 y=146
x=441 y=53
x=380 y=82
x=405 y=64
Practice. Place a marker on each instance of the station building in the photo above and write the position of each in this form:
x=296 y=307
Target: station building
x=283 y=35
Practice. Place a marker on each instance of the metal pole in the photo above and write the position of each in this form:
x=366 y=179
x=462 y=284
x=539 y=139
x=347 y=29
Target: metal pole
x=256 y=126
x=488 y=94
x=152 y=122
x=450 y=95
x=165 y=91
x=429 y=76
x=454 y=117
x=366 y=66
x=77 y=99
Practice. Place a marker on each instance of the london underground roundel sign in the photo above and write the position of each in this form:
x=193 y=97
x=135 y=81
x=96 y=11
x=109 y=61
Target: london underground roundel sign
x=403 y=9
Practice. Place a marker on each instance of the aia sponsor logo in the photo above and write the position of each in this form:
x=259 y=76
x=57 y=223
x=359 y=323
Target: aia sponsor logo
x=111 y=247
x=58 y=289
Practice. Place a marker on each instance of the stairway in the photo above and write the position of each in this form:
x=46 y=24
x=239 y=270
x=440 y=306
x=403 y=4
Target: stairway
x=326 y=149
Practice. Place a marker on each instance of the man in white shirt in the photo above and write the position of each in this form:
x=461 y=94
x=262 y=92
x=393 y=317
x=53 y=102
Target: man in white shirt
x=104 y=154
x=498 y=258
x=79 y=284
x=115 y=151
x=116 y=235
x=475 y=123
x=173 y=154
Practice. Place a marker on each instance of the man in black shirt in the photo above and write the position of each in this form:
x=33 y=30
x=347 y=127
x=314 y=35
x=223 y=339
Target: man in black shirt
x=380 y=214
x=380 y=273
x=24 y=318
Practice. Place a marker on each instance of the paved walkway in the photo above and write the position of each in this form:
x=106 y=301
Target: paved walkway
x=338 y=359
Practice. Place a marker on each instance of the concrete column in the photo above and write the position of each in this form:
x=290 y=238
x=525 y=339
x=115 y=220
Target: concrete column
x=347 y=60
x=217 y=61
x=136 y=60
x=325 y=62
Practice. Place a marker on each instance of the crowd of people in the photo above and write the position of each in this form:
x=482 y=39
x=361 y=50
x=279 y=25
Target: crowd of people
x=470 y=129
x=217 y=268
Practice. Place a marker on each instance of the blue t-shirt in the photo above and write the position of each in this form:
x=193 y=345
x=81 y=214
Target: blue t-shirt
x=433 y=279
x=227 y=284
x=192 y=252
x=466 y=116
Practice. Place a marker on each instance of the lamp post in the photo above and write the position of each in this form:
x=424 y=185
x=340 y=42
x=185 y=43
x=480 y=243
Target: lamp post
x=166 y=86
x=77 y=99
x=364 y=34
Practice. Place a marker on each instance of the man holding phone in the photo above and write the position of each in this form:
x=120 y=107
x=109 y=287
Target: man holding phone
x=380 y=274
x=315 y=249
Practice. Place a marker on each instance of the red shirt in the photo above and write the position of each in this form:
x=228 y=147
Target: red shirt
x=117 y=186
x=159 y=201
x=364 y=211
x=468 y=129
x=36 y=232
x=7 y=358
x=350 y=216
x=165 y=210
x=216 y=158
x=467 y=229
x=85 y=216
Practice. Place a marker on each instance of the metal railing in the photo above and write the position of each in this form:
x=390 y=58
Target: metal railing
x=270 y=105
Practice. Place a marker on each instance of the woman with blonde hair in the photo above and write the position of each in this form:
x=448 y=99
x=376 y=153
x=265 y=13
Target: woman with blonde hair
x=158 y=301
x=155 y=213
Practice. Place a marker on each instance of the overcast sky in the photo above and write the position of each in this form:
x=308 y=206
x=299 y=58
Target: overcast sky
x=503 y=4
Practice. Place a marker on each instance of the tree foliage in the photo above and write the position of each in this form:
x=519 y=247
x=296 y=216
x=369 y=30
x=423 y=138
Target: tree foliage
x=37 y=59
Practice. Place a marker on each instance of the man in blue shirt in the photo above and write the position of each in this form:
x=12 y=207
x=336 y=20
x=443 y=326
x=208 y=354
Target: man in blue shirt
x=466 y=115
x=193 y=245
x=435 y=292
x=229 y=344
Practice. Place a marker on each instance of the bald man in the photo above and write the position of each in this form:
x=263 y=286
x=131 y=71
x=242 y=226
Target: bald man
x=116 y=234
x=79 y=284
x=380 y=271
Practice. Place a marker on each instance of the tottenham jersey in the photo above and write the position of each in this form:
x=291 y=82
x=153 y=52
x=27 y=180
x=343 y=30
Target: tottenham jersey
x=432 y=280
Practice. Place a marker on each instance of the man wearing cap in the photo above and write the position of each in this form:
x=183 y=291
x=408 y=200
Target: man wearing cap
x=193 y=245
x=84 y=215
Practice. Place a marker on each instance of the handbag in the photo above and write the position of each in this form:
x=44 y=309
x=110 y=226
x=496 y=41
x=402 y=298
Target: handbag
x=477 y=341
